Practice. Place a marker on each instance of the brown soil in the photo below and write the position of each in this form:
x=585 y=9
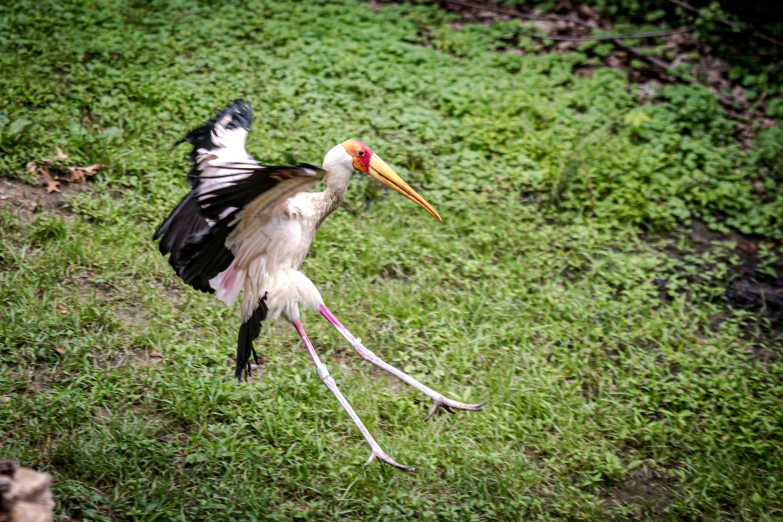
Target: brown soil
x=28 y=199
x=752 y=287
x=643 y=491
x=754 y=283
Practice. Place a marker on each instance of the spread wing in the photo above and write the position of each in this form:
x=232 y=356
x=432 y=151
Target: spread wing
x=229 y=189
x=220 y=139
x=206 y=253
x=225 y=179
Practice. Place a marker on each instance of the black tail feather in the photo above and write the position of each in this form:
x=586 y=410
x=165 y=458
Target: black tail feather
x=248 y=333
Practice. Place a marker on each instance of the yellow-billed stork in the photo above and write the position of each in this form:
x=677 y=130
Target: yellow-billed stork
x=248 y=226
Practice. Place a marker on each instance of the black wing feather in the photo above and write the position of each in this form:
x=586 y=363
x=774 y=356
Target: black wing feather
x=205 y=255
x=243 y=191
x=184 y=221
x=187 y=221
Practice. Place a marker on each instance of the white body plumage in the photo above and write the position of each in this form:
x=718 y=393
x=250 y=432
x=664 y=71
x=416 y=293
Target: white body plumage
x=270 y=246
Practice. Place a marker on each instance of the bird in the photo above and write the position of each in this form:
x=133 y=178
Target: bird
x=246 y=227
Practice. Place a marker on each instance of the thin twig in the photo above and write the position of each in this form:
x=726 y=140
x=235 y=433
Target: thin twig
x=729 y=23
x=655 y=34
x=572 y=19
x=530 y=16
x=496 y=9
x=550 y=18
x=650 y=59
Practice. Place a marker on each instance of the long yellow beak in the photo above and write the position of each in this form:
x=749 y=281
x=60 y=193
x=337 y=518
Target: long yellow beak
x=384 y=173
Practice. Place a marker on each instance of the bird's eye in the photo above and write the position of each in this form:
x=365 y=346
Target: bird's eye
x=361 y=153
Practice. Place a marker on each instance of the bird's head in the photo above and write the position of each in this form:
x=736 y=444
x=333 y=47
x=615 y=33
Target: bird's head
x=365 y=160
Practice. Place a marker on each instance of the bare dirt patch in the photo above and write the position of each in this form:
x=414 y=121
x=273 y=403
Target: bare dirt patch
x=757 y=282
x=36 y=377
x=645 y=491
x=754 y=283
x=27 y=199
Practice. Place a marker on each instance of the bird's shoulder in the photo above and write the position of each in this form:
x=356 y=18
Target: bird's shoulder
x=302 y=206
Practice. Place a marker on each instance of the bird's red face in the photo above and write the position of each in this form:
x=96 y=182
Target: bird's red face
x=364 y=160
x=360 y=153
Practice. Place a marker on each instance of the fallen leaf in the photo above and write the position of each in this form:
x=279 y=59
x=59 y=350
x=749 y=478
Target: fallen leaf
x=61 y=156
x=92 y=169
x=78 y=174
x=154 y=353
x=51 y=185
x=30 y=167
x=60 y=350
x=6 y=400
x=61 y=311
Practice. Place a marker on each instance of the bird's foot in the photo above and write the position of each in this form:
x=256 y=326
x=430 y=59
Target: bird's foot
x=381 y=455
x=450 y=405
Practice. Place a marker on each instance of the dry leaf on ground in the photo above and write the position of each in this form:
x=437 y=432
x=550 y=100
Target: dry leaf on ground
x=61 y=156
x=51 y=184
x=80 y=174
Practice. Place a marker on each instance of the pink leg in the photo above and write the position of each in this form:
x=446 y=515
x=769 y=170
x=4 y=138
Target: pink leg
x=323 y=373
x=367 y=355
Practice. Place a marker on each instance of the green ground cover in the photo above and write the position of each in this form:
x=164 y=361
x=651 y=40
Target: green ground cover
x=609 y=398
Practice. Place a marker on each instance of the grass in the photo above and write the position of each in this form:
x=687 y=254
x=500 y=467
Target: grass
x=608 y=398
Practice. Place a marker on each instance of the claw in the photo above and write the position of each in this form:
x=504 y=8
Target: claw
x=450 y=406
x=388 y=460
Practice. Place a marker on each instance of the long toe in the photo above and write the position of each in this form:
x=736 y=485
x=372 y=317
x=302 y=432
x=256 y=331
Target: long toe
x=450 y=405
x=382 y=456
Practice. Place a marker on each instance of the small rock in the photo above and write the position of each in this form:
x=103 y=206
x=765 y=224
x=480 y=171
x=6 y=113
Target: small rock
x=8 y=467
x=28 y=485
x=24 y=494
x=30 y=512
